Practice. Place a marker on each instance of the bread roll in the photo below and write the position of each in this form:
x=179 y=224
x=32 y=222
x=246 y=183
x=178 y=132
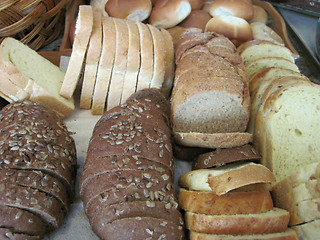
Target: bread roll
x=236 y=29
x=138 y=10
x=237 y=8
x=168 y=13
x=196 y=4
x=259 y=15
x=196 y=19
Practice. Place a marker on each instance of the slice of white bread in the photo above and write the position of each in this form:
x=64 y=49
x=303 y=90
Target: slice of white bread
x=289 y=234
x=255 y=49
x=273 y=221
x=105 y=66
x=133 y=62
x=226 y=178
x=261 y=31
x=80 y=45
x=266 y=62
x=36 y=77
x=213 y=140
x=146 y=58
x=120 y=63
x=286 y=140
x=207 y=202
x=92 y=60
x=10 y=91
x=308 y=231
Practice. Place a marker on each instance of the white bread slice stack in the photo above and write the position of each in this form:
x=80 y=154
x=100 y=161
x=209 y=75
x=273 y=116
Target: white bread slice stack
x=237 y=206
x=80 y=45
x=210 y=99
x=36 y=79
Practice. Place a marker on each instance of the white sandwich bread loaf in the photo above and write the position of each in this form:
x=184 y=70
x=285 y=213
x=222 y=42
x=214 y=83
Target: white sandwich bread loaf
x=36 y=79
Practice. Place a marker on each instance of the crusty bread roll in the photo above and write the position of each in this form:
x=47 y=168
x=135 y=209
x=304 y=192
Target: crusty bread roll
x=196 y=4
x=259 y=15
x=236 y=29
x=168 y=13
x=237 y=8
x=196 y=19
x=138 y=10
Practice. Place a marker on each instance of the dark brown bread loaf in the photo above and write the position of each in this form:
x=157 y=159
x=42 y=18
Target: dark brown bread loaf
x=37 y=170
x=127 y=182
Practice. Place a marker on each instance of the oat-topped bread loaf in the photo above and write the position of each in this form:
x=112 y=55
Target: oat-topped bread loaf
x=37 y=170
x=127 y=182
x=210 y=94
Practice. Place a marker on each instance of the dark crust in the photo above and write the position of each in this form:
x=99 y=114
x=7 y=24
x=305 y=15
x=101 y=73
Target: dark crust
x=8 y=234
x=222 y=156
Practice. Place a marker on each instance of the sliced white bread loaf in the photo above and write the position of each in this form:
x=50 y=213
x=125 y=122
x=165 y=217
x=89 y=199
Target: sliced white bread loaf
x=255 y=49
x=273 y=221
x=207 y=202
x=36 y=79
x=266 y=62
x=119 y=65
x=105 y=66
x=308 y=231
x=287 y=141
x=224 y=179
x=289 y=234
x=92 y=61
x=80 y=45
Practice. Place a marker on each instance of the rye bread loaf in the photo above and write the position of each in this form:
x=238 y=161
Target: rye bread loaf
x=207 y=202
x=192 y=110
x=6 y=234
x=37 y=169
x=222 y=156
x=273 y=221
x=129 y=170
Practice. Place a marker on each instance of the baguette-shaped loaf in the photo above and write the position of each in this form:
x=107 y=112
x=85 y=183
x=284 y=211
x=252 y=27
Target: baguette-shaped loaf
x=273 y=221
x=207 y=202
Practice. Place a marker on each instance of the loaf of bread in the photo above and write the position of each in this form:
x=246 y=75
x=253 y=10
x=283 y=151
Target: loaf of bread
x=259 y=15
x=261 y=31
x=195 y=119
x=127 y=181
x=37 y=170
x=196 y=19
x=309 y=230
x=21 y=79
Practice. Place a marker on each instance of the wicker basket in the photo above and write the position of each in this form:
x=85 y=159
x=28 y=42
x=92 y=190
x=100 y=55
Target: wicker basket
x=33 y=22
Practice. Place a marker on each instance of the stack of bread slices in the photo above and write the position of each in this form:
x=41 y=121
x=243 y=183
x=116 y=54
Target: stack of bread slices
x=210 y=98
x=231 y=199
x=127 y=182
x=118 y=57
x=284 y=120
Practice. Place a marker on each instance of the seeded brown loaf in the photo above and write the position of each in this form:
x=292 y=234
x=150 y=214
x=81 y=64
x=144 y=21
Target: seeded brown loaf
x=37 y=170
x=128 y=173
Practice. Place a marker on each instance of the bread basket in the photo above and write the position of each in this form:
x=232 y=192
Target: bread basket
x=33 y=22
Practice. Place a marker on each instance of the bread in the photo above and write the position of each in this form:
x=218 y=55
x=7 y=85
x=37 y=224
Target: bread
x=273 y=221
x=92 y=61
x=101 y=4
x=105 y=66
x=241 y=9
x=261 y=31
x=128 y=180
x=79 y=49
x=195 y=119
x=22 y=79
x=308 y=231
x=235 y=28
x=37 y=169
x=166 y=14
x=235 y=175
x=259 y=15
x=196 y=19
x=135 y=11
x=177 y=32
x=256 y=49
x=207 y=202
x=222 y=156
x=196 y=4
x=286 y=235
x=266 y=62
x=281 y=114
x=146 y=58
x=6 y=233
x=212 y=140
